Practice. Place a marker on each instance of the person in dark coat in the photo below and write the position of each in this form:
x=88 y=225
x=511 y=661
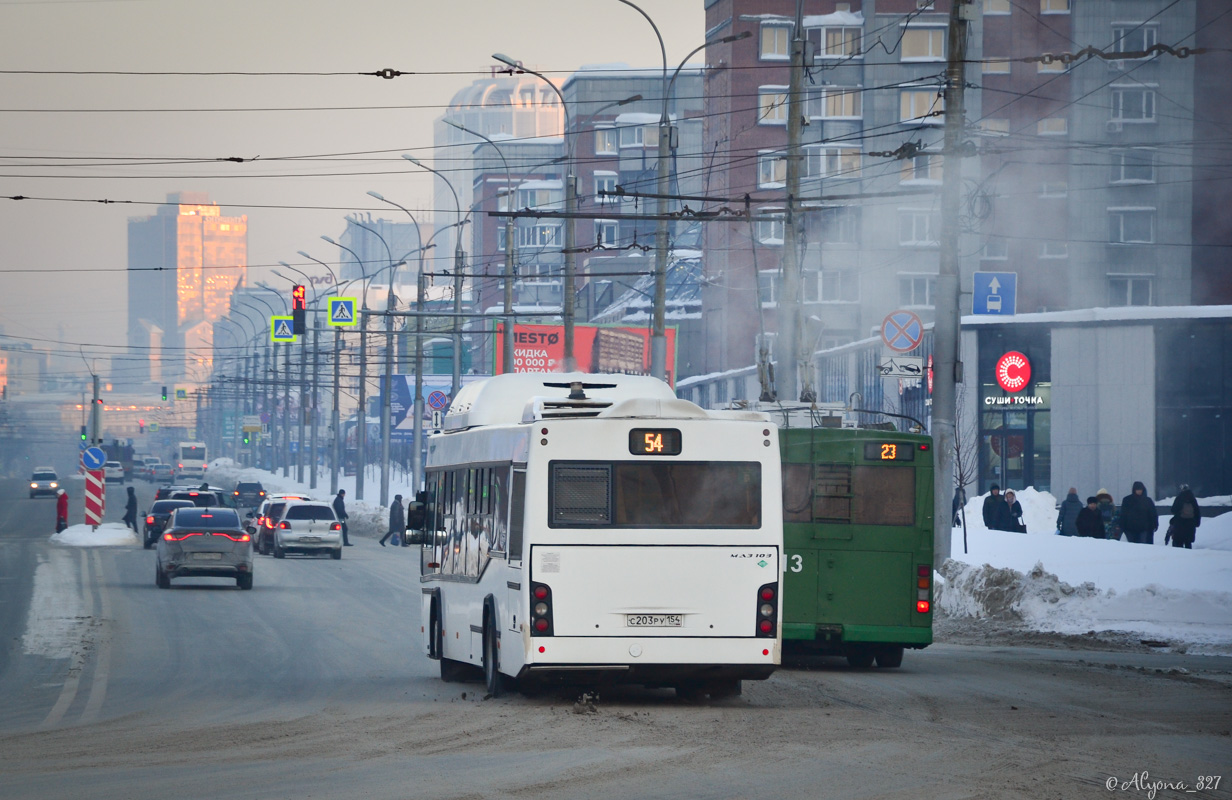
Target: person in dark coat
x=340 y=509
x=992 y=503
x=1067 y=516
x=130 y=509
x=397 y=521
x=960 y=499
x=1186 y=517
x=1089 y=522
x=61 y=510
x=1108 y=513
x=1139 y=519
x=1013 y=521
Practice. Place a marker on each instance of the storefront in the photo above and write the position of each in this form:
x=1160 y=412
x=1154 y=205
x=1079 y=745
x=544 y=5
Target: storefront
x=1014 y=439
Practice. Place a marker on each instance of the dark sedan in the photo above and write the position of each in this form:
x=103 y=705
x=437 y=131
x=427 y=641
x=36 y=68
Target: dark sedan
x=204 y=542
x=156 y=519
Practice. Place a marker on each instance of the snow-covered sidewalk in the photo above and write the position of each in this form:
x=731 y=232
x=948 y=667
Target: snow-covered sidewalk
x=1069 y=585
x=109 y=534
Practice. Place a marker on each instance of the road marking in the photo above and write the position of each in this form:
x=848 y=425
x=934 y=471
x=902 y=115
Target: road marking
x=69 y=691
x=102 y=663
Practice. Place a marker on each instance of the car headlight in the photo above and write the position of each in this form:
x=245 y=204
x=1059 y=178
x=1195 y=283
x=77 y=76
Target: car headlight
x=34 y=486
x=55 y=485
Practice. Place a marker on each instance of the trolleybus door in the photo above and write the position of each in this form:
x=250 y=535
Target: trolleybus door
x=515 y=546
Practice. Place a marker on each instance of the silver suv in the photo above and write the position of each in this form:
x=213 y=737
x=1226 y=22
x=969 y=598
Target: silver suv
x=307 y=526
x=204 y=542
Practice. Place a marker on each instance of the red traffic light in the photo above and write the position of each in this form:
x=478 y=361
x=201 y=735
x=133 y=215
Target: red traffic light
x=299 y=298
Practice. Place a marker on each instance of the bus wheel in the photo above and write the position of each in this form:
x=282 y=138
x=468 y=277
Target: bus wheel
x=889 y=657
x=491 y=662
x=859 y=658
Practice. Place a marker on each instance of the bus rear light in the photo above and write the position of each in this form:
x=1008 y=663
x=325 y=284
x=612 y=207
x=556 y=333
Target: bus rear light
x=923 y=583
x=767 y=610
x=924 y=571
x=922 y=606
x=541 y=610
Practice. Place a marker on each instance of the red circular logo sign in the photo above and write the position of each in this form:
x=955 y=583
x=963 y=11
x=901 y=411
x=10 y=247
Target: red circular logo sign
x=1013 y=371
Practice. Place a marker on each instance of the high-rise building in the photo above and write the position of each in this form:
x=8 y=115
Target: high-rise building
x=183 y=263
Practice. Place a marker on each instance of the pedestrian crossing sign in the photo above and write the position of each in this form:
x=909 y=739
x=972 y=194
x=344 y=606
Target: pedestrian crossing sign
x=342 y=311
x=281 y=329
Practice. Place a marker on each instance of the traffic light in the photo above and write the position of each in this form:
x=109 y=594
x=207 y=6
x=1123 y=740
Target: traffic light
x=141 y=425
x=245 y=438
x=83 y=433
x=299 y=308
x=164 y=394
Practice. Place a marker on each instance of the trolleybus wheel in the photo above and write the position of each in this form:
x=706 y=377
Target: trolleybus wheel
x=491 y=662
x=889 y=657
x=860 y=658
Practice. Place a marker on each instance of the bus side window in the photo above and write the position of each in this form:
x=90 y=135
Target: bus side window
x=517 y=511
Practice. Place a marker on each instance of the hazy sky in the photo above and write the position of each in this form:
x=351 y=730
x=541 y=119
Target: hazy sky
x=62 y=263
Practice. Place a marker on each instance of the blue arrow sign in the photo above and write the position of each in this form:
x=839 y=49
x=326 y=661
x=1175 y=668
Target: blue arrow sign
x=93 y=458
x=342 y=311
x=995 y=293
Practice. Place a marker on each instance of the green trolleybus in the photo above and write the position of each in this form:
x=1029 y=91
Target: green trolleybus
x=858 y=543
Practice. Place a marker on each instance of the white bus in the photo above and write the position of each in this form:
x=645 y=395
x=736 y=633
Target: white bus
x=190 y=460
x=596 y=529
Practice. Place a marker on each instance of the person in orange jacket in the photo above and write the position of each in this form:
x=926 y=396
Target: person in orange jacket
x=61 y=510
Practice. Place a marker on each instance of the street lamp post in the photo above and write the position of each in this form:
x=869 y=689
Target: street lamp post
x=658 y=333
x=334 y=416
x=458 y=259
x=361 y=433
x=567 y=300
x=510 y=251
x=286 y=391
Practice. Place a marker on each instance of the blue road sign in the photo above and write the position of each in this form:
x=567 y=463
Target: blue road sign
x=995 y=293
x=342 y=311
x=281 y=329
x=902 y=331
x=93 y=458
x=438 y=400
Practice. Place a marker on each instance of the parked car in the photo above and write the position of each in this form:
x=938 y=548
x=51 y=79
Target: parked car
x=113 y=471
x=162 y=473
x=308 y=526
x=204 y=542
x=261 y=524
x=156 y=519
x=44 y=481
x=248 y=494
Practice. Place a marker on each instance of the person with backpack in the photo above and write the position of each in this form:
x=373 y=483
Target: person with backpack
x=1186 y=517
x=1139 y=518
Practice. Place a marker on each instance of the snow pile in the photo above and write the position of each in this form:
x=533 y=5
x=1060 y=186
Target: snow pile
x=109 y=534
x=1074 y=585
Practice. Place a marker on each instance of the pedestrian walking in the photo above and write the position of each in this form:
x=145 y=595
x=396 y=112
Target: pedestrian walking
x=130 y=509
x=1186 y=517
x=991 y=505
x=1108 y=513
x=1013 y=521
x=960 y=500
x=1067 y=515
x=340 y=510
x=61 y=510
x=1139 y=518
x=1089 y=522
x=397 y=522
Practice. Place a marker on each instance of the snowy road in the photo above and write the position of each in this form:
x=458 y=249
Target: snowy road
x=312 y=685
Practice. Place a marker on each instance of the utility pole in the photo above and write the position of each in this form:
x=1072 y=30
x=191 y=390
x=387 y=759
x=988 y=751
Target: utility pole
x=361 y=416
x=947 y=372
x=417 y=408
x=96 y=416
x=316 y=360
x=335 y=456
x=286 y=410
x=789 y=304
x=303 y=407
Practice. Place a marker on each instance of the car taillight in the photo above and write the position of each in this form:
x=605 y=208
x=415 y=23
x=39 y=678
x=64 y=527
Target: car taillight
x=286 y=526
x=923 y=585
x=540 y=609
x=337 y=526
x=181 y=466
x=767 y=610
x=149 y=520
x=243 y=537
x=173 y=538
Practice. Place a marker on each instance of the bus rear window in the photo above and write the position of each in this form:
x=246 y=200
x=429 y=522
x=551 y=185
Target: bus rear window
x=841 y=494
x=656 y=495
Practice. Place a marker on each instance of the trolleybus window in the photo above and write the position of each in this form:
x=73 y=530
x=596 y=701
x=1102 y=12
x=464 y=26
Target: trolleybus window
x=842 y=494
x=656 y=495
